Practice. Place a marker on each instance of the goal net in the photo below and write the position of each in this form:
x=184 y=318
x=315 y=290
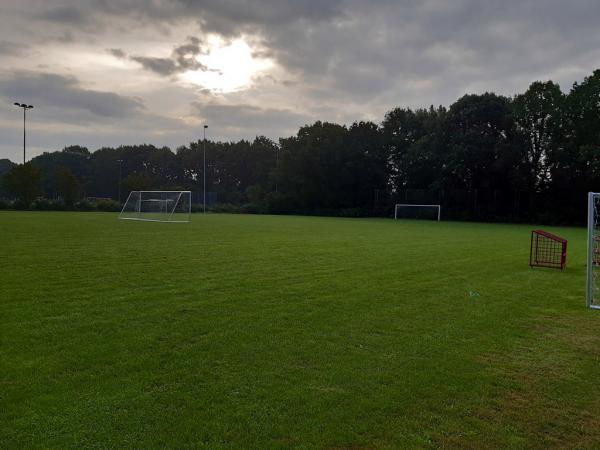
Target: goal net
x=158 y=206
x=419 y=212
x=547 y=250
x=593 y=254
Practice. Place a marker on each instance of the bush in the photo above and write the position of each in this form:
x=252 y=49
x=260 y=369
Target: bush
x=19 y=205
x=224 y=208
x=44 y=204
x=108 y=205
x=255 y=193
x=255 y=208
x=278 y=203
x=84 y=205
x=350 y=212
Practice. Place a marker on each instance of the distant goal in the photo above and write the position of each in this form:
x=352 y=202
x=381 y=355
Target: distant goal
x=158 y=206
x=418 y=212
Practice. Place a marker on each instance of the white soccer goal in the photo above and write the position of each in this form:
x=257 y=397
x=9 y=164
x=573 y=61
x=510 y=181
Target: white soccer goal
x=422 y=212
x=593 y=256
x=158 y=206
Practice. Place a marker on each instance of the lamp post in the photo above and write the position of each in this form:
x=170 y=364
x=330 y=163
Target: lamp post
x=25 y=108
x=204 y=168
x=120 y=161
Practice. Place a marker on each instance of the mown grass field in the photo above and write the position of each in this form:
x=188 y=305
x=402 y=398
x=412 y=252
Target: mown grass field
x=291 y=332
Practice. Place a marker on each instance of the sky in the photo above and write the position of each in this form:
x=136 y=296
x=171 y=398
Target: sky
x=105 y=73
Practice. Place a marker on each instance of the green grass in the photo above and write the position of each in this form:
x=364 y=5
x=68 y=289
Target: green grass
x=291 y=332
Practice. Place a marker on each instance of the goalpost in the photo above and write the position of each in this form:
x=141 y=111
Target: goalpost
x=593 y=255
x=158 y=206
x=406 y=211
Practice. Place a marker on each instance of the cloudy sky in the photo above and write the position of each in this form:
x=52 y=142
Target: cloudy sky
x=108 y=72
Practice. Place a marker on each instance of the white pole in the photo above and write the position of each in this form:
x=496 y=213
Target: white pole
x=590 y=255
x=125 y=204
x=189 y=196
x=175 y=206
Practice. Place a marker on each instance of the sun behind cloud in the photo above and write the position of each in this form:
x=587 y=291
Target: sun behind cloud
x=229 y=66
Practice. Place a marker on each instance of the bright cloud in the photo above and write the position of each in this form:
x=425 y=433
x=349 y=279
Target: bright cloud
x=229 y=67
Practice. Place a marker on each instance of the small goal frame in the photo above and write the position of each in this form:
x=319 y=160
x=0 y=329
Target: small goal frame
x=547 y=250
x=398 y=205
x=169 y=212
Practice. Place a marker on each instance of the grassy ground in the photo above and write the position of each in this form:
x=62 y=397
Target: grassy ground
x=291 y=332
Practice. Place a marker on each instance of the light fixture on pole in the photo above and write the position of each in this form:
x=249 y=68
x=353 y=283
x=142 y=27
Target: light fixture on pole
x=204 y=169
x=25 y=108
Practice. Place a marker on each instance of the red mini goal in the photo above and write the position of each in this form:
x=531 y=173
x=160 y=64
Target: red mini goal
x=547 y=250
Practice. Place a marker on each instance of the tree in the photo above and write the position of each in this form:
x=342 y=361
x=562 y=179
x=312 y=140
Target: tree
x=367 y=158
x=415 y=140
x=483 y=147
x=583 y=111
x=67 y=186
x=313 y=170
x=328 y=166
x=538 y=115
x=5 y=166
x=76 y=150
x=24 y=182
x=139 y=182
x=575 y=166
x=74 y=158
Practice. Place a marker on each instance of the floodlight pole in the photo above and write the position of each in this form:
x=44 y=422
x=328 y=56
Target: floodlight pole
x=25 y=108
x=204 y=170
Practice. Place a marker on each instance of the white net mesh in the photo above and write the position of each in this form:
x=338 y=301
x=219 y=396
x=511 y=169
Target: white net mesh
x=158 y=206
x=418 y=212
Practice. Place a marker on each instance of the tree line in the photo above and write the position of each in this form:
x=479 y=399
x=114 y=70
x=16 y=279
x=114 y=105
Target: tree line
x=531 y=157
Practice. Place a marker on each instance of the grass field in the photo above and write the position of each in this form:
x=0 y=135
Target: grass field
x=291 y=332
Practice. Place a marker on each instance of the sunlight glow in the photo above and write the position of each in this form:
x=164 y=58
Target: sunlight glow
x=229 y=67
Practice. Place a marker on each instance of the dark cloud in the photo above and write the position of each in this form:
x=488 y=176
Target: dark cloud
x=66 y=38
x=59 y=91
x=117 y=53
x=185 y=55
x=182 y=59
x=10 y=48
x=229 y=18
x=161 y=66
x=432 y=51
x=67 y=15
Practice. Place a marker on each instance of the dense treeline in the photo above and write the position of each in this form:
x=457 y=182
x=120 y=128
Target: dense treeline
x=532 y=157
